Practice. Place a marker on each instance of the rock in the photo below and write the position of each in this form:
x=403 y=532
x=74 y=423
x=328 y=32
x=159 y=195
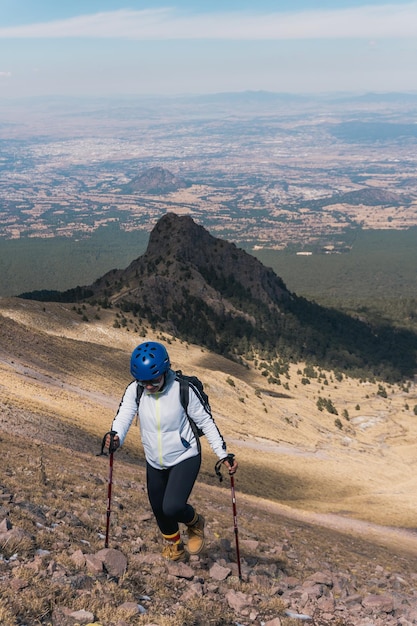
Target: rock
x=93 y=563
x=5 y=525
x=219 y=573
x=15 y=534
x=17 y=584
x=114 y=561
x=250 y=544
x=181 y=570
x=238 y=600
x=326 y=604
x=379 y=603
x=61 y=617
x=195 y=590
x=78 y=558
x=82 y=617
x=321 y=578
x=131 y=607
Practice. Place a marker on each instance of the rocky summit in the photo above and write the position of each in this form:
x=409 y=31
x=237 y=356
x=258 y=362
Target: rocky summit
x=183 y=261
x=207 y=290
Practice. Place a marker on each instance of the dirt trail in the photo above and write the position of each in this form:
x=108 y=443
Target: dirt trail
x=27 y=372
x=395 y=539
x=260 y=444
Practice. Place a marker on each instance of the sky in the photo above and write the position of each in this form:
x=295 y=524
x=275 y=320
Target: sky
x=176 y=47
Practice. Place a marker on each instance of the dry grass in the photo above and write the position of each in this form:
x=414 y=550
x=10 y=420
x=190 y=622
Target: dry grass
x=60 y=503
x=72 y=502
x=68 y=388
x=7 y=617
x=303 y=481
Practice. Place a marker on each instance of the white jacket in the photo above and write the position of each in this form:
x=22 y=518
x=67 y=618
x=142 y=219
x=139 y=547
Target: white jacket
x=167 y=436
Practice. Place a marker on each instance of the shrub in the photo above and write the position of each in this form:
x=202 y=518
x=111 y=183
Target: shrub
x=326 y=403
x=381 y=391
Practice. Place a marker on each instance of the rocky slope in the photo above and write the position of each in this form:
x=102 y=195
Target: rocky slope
x=61 y=379
x=183 y=256
x=55 y=570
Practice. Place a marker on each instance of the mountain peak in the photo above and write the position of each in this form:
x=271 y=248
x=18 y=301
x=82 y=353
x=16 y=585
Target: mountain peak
x=155 y=180
x=209 y=292
x=193 y=284
x=181 y=239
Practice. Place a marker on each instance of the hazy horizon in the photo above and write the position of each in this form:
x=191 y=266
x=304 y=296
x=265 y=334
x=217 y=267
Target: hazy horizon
x=109 y=48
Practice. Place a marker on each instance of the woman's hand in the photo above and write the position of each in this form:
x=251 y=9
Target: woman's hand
x=113 y=441
x=231 y=463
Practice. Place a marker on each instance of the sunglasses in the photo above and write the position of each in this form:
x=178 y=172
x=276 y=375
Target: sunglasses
x=155 y=382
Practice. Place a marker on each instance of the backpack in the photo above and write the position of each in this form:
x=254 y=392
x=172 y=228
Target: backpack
x=185 y=383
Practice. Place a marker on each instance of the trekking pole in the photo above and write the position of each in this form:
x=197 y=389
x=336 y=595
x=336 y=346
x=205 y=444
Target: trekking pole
x=230 y=458
x=112 y=433
x=232 y=487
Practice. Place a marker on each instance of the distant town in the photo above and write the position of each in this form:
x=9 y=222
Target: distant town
x=264 y=170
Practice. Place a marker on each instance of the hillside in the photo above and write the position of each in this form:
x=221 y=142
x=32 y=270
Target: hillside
x=208 y=291
x=155 y=180
x=370 y=196
x=326 y=502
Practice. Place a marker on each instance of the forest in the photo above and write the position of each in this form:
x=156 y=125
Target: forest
x=375 y=277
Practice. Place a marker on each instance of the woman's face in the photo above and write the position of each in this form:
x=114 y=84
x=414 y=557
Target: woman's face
x=154 y=385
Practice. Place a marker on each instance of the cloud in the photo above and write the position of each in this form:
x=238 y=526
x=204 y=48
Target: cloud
x=369 y=22
x=5 y=74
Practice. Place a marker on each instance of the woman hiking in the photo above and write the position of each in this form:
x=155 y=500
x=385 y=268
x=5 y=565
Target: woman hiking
x=171 y=446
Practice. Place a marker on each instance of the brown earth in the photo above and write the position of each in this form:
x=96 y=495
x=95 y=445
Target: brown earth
x=340 y=486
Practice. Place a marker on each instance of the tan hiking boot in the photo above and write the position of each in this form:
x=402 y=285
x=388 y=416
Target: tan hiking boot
x=196 y=539
x=174 y=551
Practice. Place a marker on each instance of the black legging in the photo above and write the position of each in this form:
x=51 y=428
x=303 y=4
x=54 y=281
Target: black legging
x=168 y=492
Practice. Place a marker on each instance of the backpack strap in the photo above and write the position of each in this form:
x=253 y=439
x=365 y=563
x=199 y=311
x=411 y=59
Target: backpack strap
x=184 y=399
x=139 y=392
x=184 y=392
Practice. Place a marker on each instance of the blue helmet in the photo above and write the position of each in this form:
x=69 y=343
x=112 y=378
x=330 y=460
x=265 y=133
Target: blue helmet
x=149 y=360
